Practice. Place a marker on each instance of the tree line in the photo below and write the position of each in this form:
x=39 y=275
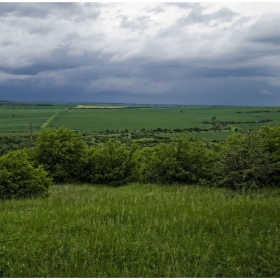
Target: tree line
x=243 y=162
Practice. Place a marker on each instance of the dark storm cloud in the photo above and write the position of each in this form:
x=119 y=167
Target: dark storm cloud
x=183 y=53
x=264 y=30
x=57 y=60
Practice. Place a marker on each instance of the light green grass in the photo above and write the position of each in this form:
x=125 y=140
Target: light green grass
x=141 y=231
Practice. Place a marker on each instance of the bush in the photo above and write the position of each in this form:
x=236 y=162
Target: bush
x=271 y=137
x=156 y=164
x=11 y=143
x=62 y=153
x=186 y=161
x=19 y=178
x=111 y=163
x=243 y=163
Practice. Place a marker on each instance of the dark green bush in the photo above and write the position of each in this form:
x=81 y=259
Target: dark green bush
x=271 y=137
x=11 y=143
x=61 y=152
x=186 y=161
x=111 y=163
x=243 y=163
x=19 y=178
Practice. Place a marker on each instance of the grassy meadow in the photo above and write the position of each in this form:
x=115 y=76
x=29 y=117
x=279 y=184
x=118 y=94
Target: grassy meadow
x=141 y=231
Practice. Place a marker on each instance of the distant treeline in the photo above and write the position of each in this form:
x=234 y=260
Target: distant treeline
x=239 y=122
x=31 y=108
x=23 y=104
x=258 y=111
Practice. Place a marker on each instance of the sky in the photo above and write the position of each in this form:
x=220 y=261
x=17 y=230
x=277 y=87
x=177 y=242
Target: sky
x=186 y=53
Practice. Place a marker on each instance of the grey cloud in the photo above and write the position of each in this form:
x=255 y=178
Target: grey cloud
x=70 y=10
x=141 y=22
x=58 y=59
x=58 y=53
x=38 y=10
x=42 y=30
x=265 y=30
x=184 y=5
x=162 y=84
x=156 y=10
x=266 y=92
x=6 y=43
x=241 y=21
x=22 y=9
x=196 y=16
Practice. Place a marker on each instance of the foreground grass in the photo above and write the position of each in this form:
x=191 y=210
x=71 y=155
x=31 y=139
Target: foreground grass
x=141 y=231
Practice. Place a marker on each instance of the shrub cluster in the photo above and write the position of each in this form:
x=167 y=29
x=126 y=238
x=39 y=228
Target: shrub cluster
x=11 y=143
x=20 y=178
x=244 y=161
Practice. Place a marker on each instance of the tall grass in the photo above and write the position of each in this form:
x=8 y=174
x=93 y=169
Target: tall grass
x=141 y=231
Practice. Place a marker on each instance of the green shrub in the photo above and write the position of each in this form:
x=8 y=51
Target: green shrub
x=111 y=163
x=11 y=143
x=19 y=178
x=243 y=162
x=156 y=164
x=271 y=137
x=186 y=161
x=61 y=152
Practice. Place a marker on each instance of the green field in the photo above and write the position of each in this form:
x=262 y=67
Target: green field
x=16 y=118
x=98 y=107
x=141 y=231
x=151 y=118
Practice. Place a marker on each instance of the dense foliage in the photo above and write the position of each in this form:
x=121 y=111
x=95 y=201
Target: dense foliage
x=244 y=161
x=19 y=178
x=61 y=152
x=110 y=163
x=186 y=161
x=11 y=143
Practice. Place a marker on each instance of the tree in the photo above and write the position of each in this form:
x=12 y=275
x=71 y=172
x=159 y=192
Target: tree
x=61 y=152
x=19 y=178
x=243 y=162
x=271 y=137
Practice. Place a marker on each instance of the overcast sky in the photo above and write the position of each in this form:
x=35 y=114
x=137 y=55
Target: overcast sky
x=166 y=53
